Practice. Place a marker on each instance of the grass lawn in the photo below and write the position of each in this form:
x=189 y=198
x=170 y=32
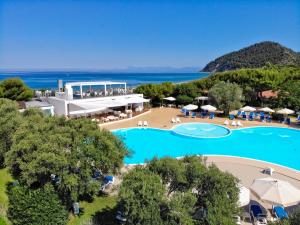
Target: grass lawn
x=5 y=178
x=102 y=209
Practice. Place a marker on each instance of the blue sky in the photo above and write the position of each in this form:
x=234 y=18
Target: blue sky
x=97 y=35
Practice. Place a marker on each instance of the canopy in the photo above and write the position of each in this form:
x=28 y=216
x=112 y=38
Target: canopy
x=190 y=107
x=248 y=109
x=172 y=99
x=285 y=111
x=244 y=196
x=209 y=108
x=276 y=191
x=266 y=109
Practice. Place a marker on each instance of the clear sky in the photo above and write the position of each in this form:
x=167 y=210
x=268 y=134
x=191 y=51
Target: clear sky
x=87 y=34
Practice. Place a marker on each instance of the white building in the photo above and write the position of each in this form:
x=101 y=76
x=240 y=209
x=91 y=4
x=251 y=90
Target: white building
x=47 y=108
x=77 y=103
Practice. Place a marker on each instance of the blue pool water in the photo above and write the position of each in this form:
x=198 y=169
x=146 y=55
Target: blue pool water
x=272 y=144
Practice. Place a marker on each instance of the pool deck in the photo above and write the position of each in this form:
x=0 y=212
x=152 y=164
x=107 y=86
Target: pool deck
x=244 y=169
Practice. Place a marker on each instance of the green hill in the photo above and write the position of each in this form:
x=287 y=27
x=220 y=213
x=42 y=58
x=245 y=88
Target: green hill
x=254 y=56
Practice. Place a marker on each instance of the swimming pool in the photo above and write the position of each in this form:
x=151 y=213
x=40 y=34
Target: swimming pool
x=272 y=144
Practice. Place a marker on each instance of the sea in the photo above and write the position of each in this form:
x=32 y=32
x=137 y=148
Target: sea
x=48 y=80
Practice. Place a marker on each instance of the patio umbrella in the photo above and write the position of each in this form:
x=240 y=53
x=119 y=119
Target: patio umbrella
x=244 y=196
x=209 y=108
x=190 y=107
x=171 y=99
x=267 y=110
x=276 y=191
x=285 y=111
x=248 y=109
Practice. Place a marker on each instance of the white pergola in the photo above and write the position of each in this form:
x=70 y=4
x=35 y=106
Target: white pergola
x=69 y=85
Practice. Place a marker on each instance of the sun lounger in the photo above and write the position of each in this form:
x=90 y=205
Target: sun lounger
x=178 y=120
x=262 y=118
x=269 y=170
x=140 y=123
x=194 y=114
x=211 y=115
x=244 y=117
x=288 y=121
x=231 y=117
x=251 y=117
x=173 y=120
x=239 y=124
x=279 y=212
x=257 y=215
x=145 y=124
x=226 y=122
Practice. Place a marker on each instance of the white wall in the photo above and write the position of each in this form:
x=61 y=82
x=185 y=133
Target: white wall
x=60 y=106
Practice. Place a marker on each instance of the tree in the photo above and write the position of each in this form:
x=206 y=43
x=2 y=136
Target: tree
x=10 y=120
x=218 y=193
x=226 y=96
x=15 y=89
x=35 y=207
x=289 y=95
x=141 y=195
x=72 y=150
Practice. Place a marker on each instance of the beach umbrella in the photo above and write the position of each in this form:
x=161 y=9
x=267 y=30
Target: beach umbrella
x=285 y=111
x=244 y=196
x=248 y=109
x=276 y=191
x=267 y=110
x=171 y=99
x=209 y=108
x=190 y=107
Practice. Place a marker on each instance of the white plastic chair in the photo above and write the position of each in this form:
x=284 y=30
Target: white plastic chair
x=233 y=123
x=173 y=120
x=226 y=122
x=178 y=120
x=145 y=124
x=140 y=123
x=239 y=124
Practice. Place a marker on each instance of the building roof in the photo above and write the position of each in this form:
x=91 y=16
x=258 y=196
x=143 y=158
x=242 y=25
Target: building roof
x=87 y=83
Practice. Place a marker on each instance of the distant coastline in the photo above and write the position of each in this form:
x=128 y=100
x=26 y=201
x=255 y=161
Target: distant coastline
x=48 y=80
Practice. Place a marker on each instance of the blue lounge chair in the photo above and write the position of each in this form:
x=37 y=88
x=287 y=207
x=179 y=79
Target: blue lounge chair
x=244 y=117
x=298 y=118
x=288 y=121
x=211 y=115
x=262 y=118
x=269 y=119
x=239 y=113
x=203 y=114
x=231 y=117
x=257 y=214
x=194 y=114
x=280 y=212
x=251 y=117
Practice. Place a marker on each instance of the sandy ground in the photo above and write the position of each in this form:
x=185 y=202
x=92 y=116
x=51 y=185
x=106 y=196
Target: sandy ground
x=161 y=118
x=246 y=170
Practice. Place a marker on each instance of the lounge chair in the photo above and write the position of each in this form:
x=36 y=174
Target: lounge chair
x=269 y=170
x=244 y=117
x=279 y=212
x=145 y=124
x=211 y=115
x=298 y=120
x=262 y=118
x=194 y=114
x=231 y=117
x=239 y=113
x=269 y=119
x=257 y=215
x=226 y=122
x=288 y=121
x=140 y=123
x=233 y=123
x=251 y=117
x=239 y=124
x=173 y=120
x=178 y=120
